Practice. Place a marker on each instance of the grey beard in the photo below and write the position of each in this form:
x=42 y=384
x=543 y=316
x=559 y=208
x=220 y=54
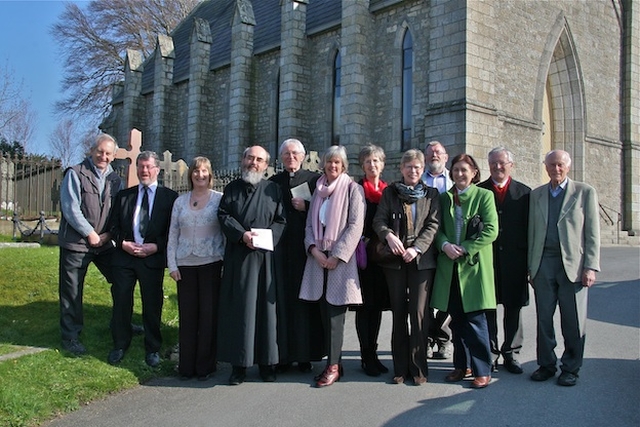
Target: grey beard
x=250 y=177
x=435 y=167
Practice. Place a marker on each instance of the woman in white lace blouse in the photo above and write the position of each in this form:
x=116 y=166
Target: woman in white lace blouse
x=194 y=256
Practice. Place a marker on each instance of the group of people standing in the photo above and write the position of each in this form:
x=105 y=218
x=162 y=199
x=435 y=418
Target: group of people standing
x=267 y=270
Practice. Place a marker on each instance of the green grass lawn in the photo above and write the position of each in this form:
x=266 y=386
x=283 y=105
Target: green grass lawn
x=37 y=387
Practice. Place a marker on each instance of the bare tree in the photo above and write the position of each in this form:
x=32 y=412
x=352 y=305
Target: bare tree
x=93 y=42
x=17 y=117
x=66 y=143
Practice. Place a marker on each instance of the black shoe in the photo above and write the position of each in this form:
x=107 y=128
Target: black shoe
x=542 y=374
x=305 y=367
x=74 y=347
x=137 y=329
x=513 y=366
x=153 y=359
x=115 y=356
x=185 y=377
x=267 y=373
x=567 y=379
x=368 y=363
x=238 y=373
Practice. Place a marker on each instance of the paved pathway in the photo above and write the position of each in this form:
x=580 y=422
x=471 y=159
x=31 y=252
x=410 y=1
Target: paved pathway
x=607 y=394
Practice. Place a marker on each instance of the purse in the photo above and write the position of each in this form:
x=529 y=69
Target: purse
x=474 y=227
x=361 y=253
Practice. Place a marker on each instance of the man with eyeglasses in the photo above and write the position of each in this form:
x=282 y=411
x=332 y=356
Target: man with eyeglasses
x=509 y=257
x=300 y=337
x=247 y=327
x=140 y=224
x=437 y=175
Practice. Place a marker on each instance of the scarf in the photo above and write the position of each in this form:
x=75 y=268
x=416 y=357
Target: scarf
x=370 y=192
x=410 y=195
x=337 y=193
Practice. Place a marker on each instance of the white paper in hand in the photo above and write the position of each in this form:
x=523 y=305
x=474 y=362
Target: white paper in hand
x=263 y=239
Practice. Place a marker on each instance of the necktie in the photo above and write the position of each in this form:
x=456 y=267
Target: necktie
x=144 y=212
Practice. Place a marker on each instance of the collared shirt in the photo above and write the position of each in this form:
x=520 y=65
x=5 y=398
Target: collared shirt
x=152 y=188
x=556 y=191
x=436 y=181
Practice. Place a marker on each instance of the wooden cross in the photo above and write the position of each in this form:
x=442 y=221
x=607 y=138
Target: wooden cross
x=131 y=154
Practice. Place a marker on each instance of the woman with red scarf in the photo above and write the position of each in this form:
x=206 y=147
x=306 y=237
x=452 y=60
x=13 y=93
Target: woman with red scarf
x=375 y=294
x=407 y=221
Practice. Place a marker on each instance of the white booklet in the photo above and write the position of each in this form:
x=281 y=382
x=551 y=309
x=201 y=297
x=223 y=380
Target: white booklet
x=263 y=239
x=301 y=191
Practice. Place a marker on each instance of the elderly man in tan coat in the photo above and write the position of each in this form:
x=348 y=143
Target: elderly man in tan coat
x=564 y=255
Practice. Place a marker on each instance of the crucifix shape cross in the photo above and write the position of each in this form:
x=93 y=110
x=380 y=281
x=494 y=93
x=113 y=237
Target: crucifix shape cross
x=131 y=154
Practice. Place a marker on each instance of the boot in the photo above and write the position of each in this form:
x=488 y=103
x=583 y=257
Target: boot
x=383 y=369
x=330 y=375
x=368 y=363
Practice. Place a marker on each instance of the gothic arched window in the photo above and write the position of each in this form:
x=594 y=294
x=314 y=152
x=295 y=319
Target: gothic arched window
x=336 y=122
x=407 y=90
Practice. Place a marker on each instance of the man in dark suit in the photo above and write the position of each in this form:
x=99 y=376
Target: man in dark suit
x=140 y=224
x=509 y=257
x=564 y=255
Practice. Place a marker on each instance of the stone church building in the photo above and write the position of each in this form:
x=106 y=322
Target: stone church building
x=531 y=75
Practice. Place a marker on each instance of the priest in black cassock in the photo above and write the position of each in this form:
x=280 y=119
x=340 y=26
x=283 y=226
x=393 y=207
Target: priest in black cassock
x=301 y=337
x=247 y=329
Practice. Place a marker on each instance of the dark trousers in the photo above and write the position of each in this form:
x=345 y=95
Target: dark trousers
x=333 y=318
x=469 y=330
x=513 y=334
x=72 y=272
x=124 y=282
x=409 y=290
x=553 y=288
x=198 y=294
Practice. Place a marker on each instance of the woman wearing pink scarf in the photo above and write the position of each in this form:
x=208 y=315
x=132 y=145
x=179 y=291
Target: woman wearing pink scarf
x=334 y=226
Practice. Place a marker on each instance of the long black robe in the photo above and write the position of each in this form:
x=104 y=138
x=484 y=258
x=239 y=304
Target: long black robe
x=247 y=326
x=304 y=340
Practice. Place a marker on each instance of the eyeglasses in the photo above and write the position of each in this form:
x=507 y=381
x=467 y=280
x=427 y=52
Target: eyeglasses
x=254 y=158
x=290 y=153
x=501 y=164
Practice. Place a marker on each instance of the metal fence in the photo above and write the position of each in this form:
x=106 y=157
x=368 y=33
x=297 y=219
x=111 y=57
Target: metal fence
x=31 y=188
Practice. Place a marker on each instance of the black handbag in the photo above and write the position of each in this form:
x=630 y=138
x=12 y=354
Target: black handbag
x=474 y=227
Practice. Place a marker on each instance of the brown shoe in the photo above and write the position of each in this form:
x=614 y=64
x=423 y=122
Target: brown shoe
x=397 y=380
x=330 y=375
x=419 y=380
x=457 y=375
x=481 y=382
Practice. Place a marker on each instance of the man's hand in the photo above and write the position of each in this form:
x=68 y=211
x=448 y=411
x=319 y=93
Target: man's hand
x=298 y=204
x=247 y=238
x=588 y=277
x=94 y=239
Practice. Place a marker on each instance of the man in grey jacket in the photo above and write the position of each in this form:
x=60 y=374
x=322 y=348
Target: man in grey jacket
x=86 y=195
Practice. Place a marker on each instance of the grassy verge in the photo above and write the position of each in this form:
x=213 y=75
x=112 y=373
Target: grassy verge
x=40 y=386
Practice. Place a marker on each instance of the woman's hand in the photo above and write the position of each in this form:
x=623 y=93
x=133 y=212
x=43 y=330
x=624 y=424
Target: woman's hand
x=395 y=244
x=319 y=256
x=453 y=251
x=332 y=263
x=175 y=275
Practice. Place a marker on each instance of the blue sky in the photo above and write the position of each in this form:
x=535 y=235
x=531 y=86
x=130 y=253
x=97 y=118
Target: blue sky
x=29 y=50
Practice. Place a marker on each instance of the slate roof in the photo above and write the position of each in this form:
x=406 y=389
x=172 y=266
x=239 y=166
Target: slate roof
x=321 y=16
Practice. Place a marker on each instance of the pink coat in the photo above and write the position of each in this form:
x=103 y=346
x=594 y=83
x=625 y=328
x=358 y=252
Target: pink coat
x=343 y=285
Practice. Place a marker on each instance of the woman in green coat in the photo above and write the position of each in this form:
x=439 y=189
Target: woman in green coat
x=463 y=285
